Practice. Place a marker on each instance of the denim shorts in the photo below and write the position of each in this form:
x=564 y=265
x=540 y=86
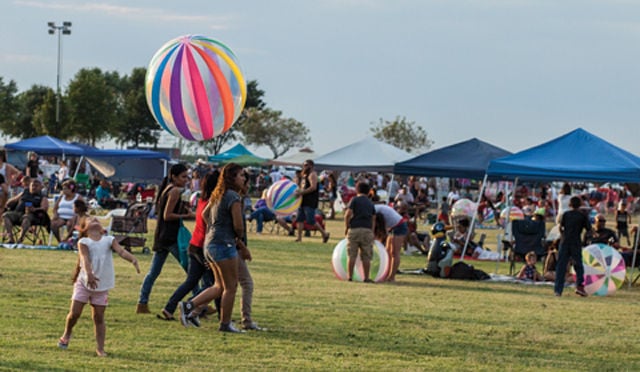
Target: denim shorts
x=221 y=252
x=306 y=214
x=400 y=229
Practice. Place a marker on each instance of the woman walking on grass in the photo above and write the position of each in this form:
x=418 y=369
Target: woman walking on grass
x=225 y=231
x=170 y=210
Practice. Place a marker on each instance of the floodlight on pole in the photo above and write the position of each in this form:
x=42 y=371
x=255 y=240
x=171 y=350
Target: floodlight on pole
x=64 y=29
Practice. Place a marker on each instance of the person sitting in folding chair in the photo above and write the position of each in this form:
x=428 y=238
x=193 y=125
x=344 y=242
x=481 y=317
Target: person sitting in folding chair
x=601 y=234
x=31 y=211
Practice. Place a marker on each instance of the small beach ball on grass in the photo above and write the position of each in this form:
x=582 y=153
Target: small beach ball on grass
x=281 y=198
x=379 y=263
x=604 y=269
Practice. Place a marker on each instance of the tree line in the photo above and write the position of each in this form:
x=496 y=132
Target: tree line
x=99 y=105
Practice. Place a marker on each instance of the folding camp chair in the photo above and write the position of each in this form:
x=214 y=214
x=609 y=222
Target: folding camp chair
x=528 y=235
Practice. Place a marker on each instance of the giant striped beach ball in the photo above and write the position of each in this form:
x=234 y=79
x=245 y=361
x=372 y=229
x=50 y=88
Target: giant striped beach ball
x=281 y=198
x=379 y=263
x=604 y=269
x=514 y=213
x=195 y=88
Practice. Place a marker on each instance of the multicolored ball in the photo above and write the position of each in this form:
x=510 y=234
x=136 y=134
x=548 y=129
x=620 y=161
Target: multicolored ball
x=195 y=88
x=379 y=264
x=281 y=198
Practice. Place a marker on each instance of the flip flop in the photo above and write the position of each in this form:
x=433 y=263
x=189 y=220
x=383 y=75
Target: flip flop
x=164 y=316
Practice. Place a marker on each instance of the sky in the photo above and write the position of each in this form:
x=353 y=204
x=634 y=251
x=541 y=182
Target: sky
x=514 y=73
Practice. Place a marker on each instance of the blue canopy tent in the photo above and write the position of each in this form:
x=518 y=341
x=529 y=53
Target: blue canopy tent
x=45 y=145
x=233 y=152
x=468 y=159
x=575 y=156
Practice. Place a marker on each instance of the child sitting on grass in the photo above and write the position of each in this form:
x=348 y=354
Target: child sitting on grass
x=93 y=279
x=529 y=271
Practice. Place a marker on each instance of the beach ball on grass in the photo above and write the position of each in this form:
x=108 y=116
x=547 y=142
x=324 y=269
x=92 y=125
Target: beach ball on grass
x=195 y=88
x=379 y=263
x=463 y=208
x=281 y=198
x=514 y=213
x=604 y=269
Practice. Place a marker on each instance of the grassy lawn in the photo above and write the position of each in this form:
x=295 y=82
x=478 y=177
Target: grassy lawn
x=316 y=322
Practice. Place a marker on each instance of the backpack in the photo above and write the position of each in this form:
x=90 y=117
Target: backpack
x=461 y=270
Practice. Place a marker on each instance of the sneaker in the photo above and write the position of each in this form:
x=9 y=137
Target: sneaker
x=253 y=327
x=580 y=291
x=194 y=320
x=229 y=327
x=185 y=311
x=63 y=344
x=557 y=294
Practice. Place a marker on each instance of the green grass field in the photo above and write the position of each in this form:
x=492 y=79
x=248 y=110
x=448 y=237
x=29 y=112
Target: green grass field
x=316 y=322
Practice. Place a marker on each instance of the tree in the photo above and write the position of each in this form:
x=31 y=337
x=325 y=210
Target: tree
x=44 y=116
x=254 y=100
x=29 y=105
x=268 y=128
x=402 y=134
x=137 y=125
x=92 y=106
x=8 y=106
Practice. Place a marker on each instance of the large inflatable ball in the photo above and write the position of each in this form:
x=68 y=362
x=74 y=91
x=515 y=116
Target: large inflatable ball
x=379 y=264
x=281 y=197
x=195 y=88
x=604 y=269
x=463 y=208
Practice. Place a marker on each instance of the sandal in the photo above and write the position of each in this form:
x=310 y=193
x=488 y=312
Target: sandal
x=165 y=316
x=325 y=238
x=63 y=344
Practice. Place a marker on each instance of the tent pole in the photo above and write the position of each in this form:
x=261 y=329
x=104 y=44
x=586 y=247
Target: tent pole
x=507 y=222
x=78 y=166
x=473 y=219
x=635 y=254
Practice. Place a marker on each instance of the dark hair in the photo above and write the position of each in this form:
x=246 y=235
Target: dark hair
x=174 y=171
x=80 y=205
x=71 y=184
x=575 y=202
x=209 y=182
x=363 y=187
x=566 y=189
x=225 y=181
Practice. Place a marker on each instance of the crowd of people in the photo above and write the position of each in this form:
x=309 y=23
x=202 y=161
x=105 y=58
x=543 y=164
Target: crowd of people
x=376 y=207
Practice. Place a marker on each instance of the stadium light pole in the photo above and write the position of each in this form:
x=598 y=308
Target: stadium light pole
x=64 y=29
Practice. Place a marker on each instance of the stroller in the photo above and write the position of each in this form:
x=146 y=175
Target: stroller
x=130 y=229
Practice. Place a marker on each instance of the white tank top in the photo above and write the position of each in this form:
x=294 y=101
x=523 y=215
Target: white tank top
x=3 y=170
x=65 y=208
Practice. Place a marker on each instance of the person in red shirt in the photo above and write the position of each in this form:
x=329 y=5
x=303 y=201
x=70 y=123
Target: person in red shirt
x=198 y=268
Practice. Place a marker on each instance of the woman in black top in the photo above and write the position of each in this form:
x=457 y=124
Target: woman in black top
x=170 y=210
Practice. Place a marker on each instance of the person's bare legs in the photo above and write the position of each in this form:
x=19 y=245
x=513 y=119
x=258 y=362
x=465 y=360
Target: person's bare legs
x=394 y=243
x=75 y=310
x=209 y=294
x=99 y=327
x=229 y=270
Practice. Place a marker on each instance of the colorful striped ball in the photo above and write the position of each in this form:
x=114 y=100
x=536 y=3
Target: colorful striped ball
x=195 y=88
x=379 y=264
x=281 y=198
x=604 y=269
